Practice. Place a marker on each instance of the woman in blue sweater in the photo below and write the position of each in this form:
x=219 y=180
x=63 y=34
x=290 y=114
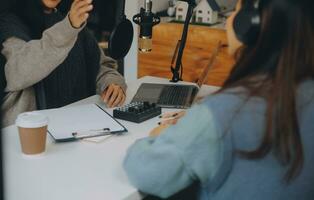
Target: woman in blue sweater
x=253 y=139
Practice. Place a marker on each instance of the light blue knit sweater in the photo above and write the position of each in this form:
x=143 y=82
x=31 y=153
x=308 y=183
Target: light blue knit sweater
x=201 y=146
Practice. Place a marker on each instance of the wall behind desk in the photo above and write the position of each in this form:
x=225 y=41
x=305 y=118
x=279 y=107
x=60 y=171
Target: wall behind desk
x=130 y=61
x=201 y=42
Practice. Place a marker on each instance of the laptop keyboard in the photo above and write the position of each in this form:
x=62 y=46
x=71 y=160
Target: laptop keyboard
x=173 y=95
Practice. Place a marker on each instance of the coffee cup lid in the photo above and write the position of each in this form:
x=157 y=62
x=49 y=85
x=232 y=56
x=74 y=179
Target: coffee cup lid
x=31 y=120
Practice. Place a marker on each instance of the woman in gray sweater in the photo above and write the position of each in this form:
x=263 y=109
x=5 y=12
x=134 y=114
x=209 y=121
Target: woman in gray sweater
x=253 y=139
x=51 y=60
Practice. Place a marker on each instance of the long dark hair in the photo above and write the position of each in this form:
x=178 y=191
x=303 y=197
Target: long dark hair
x=272 y=68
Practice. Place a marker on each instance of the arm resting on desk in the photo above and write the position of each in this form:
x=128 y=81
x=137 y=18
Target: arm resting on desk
x=108 y=74
x=186 y=152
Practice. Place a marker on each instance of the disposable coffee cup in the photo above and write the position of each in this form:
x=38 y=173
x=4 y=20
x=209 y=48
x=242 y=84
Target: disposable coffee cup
x=32 y=128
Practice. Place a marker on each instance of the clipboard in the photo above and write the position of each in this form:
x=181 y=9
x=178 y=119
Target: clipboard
x=79 y=122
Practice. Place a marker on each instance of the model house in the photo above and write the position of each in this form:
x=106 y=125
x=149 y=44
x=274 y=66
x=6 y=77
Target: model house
x=205 y=12
x=181 y=10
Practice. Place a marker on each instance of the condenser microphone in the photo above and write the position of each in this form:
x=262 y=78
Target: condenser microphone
x=146 y=19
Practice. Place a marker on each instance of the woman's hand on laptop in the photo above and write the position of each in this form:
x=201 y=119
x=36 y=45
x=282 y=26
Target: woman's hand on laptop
x=113 y=96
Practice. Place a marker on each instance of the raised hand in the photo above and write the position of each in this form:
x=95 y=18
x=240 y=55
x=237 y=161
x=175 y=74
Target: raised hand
x=79 y=12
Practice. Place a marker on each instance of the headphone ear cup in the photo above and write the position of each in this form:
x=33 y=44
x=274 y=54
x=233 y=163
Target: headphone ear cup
x=244 y=26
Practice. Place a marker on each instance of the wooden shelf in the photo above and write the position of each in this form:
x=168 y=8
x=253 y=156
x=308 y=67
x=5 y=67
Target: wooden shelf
x=201 y=42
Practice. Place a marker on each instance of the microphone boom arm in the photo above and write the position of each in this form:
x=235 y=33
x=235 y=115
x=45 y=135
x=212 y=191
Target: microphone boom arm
x=176 y=75
x=147 y=19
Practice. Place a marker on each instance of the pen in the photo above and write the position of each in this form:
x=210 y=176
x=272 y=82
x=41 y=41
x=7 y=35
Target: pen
x=91 y=133
x=171 y=118
x=167 y=115
x=103 y=129
x=173 y=114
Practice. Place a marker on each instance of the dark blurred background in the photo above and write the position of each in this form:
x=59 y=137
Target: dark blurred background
x=105 y=15
x=3 y=7
x=102 y=19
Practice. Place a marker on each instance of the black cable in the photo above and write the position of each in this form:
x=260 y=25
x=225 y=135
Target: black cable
x=181 y=74
x=123 y=8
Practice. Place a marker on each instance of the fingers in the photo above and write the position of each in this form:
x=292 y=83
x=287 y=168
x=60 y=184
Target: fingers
x=114 y=96
x=123 y=100
x=181 y=114
x=171 y=118
x=73 y=4
x=108 y=93
x=78 y=4
x=173 y=114
x=168 y=114
x=119 y=99
x=84 y=10
x=156 y=131
x=84 y=18
x=169 y=121
x=79 y=12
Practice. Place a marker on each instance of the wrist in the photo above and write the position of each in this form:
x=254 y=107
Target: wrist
x=73 y=25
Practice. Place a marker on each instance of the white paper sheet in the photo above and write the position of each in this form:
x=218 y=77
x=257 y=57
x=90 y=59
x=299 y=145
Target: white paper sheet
x=81 y=119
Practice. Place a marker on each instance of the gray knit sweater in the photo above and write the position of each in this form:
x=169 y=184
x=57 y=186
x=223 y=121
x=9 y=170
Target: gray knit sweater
x=30 y=62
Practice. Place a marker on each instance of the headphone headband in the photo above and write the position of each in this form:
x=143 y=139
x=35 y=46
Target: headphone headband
x=246 y=23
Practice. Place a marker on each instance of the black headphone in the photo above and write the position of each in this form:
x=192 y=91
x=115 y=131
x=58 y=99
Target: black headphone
x=246 y=23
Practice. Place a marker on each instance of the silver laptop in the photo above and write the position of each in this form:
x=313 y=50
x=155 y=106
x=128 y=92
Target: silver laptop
x=174 y=95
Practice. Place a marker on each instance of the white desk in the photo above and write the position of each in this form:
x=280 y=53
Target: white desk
x=76 y=170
